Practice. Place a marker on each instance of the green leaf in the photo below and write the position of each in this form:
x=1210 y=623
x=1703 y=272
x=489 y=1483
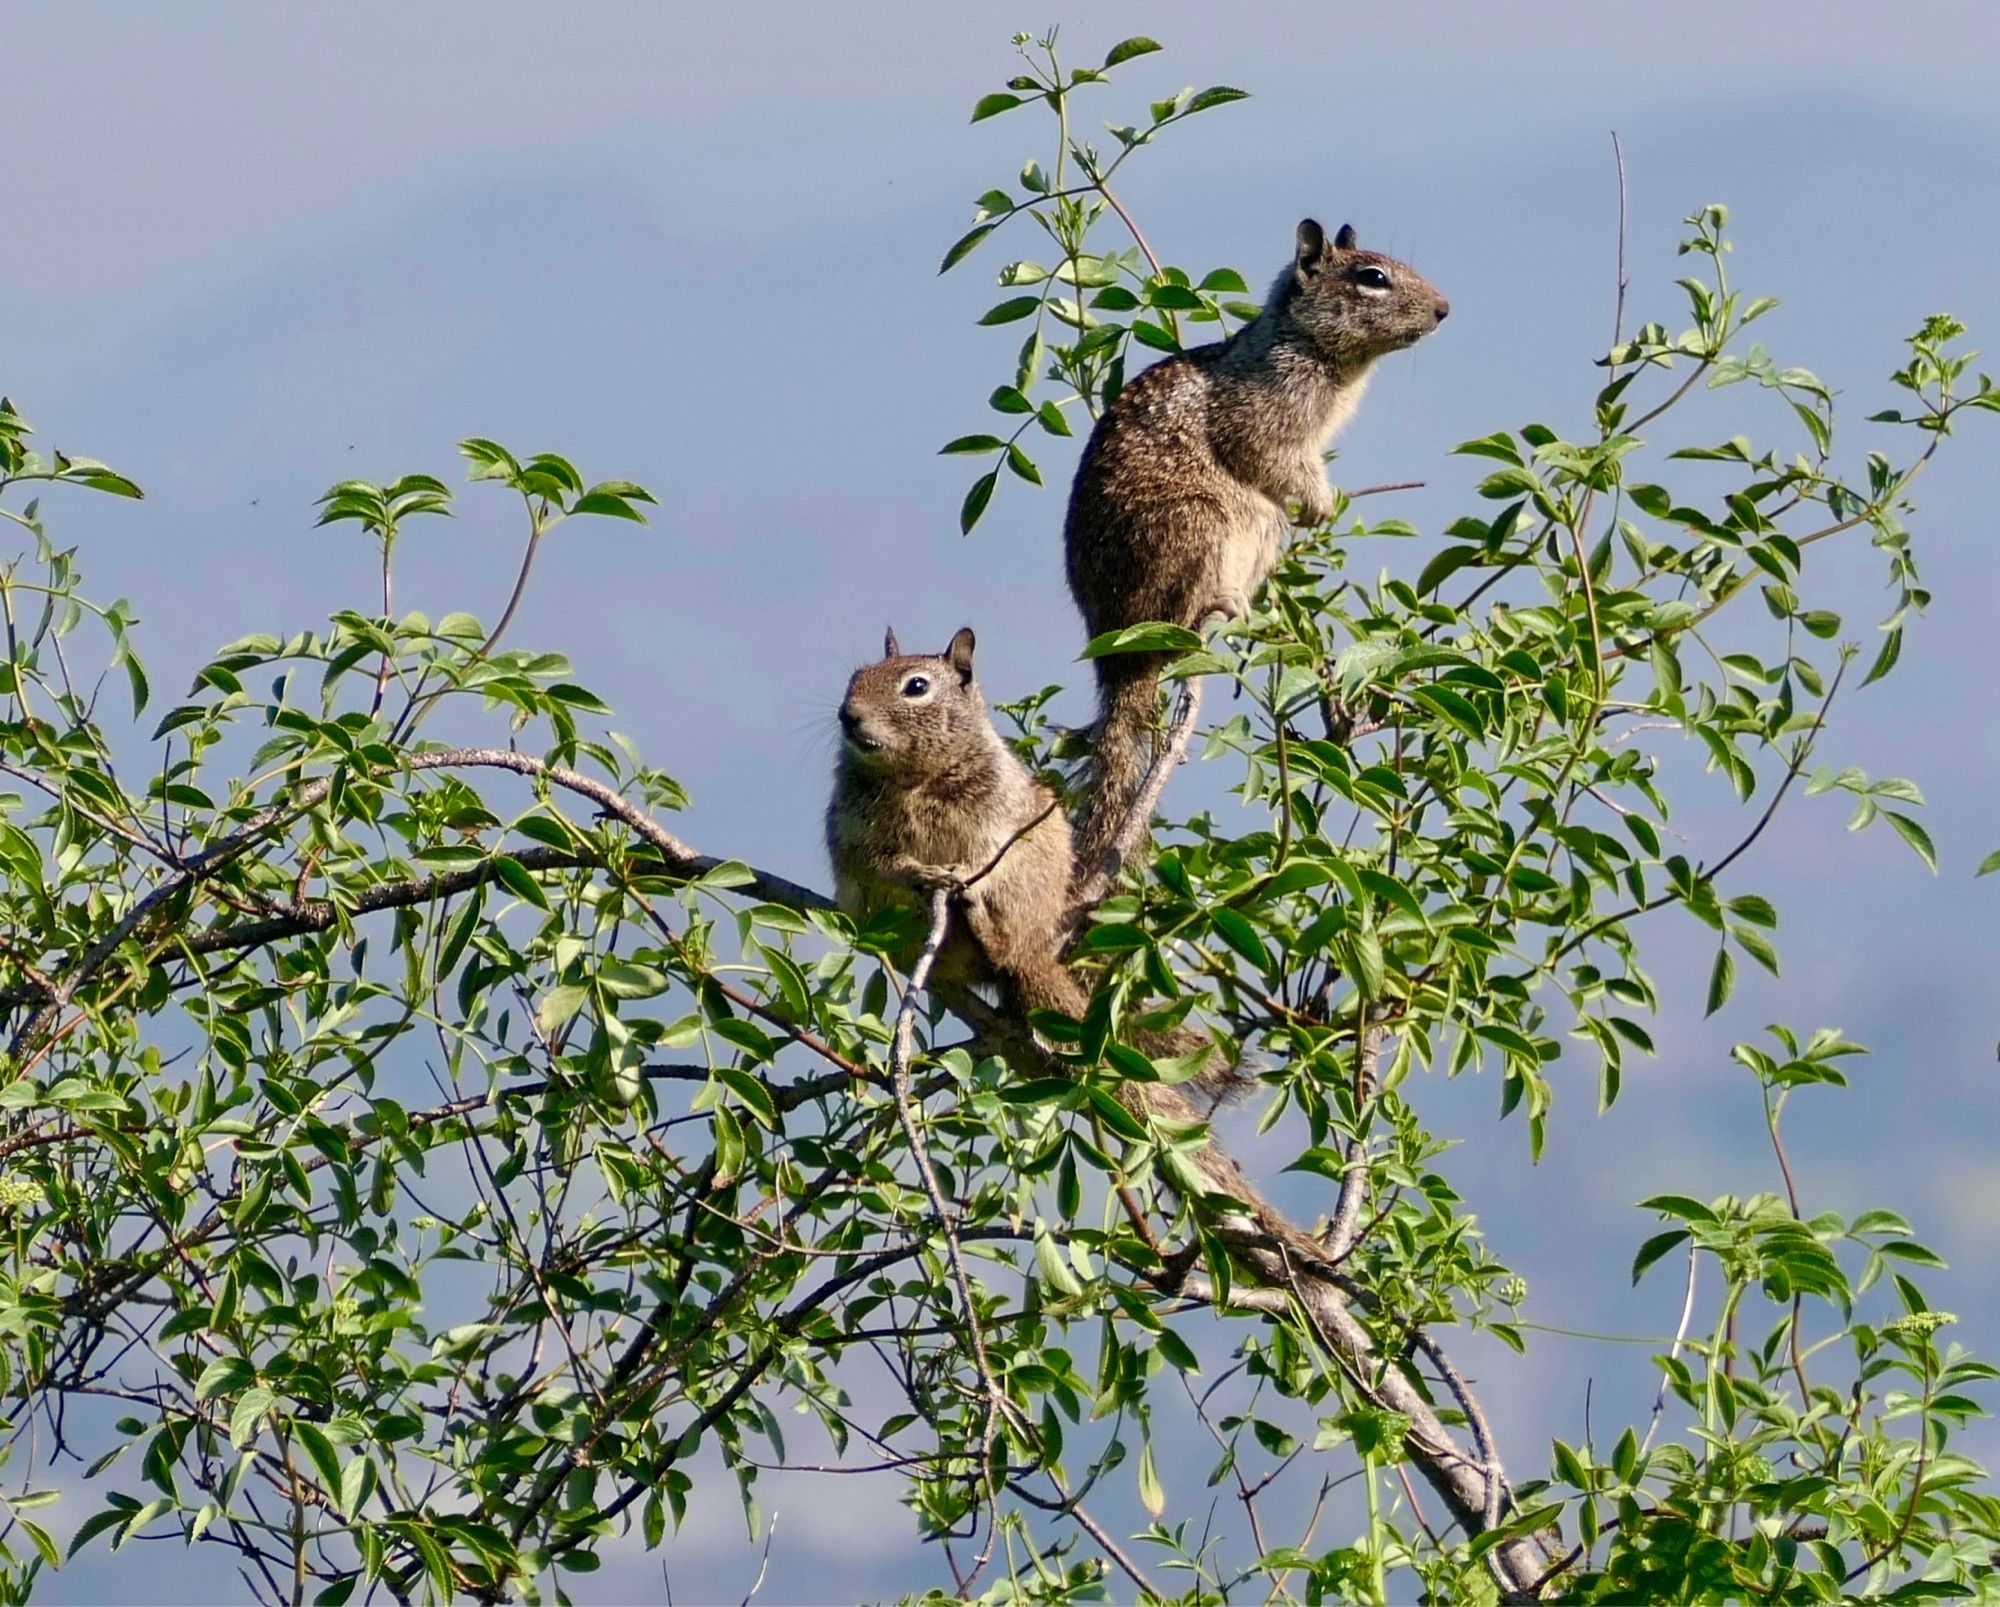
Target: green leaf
x=1369 y=966
x=623 y=979
x=1023 y=465
x=1721 y=981
x=972 y=444
x=993 y=105
x=559 y=1005
x=1123 y=51
x=1499 y=445
x=1914 y=835
x=1447 y=562
x=754 y=1095
x=1241 y=936
x=1506 y=483
x=725 y=874
x=1011 y=310
x=602 y=502
x=1156 y=637
x=1452 y=707
x=325 y=1460
x=1219 y=95
x=1989 y=864
x=1885 y=659
x=95 y=1525
x=578 y=697
x=357 y=1483
x=513 y=875
x=1152 y=1494
x=224 y=1376
x=963 y=246
x=1683 y=1206
x=1052 y=1265
x=976 y=500
x=246 y=1421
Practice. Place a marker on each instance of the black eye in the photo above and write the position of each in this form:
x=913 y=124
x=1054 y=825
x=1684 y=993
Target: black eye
x=1371 y=277
x=916 y=686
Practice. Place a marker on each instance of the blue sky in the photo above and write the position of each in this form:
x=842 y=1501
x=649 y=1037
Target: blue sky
x=253 y=250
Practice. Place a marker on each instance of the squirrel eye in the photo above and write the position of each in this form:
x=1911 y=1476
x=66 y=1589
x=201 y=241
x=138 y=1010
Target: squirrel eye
x=916 y=686
x=1371 y=277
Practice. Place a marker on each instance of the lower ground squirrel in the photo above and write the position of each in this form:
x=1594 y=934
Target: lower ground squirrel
x=928 y=795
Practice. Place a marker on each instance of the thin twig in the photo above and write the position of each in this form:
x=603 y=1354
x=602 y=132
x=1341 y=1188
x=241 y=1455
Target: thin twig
x=1771 y=1115
x=1618 y=312
x=1070 y=1507
x=1708 y=873
x=1680 y=1339
x=418 y=707
x=901 y=1052
x=763 y=1567
x=388 y=625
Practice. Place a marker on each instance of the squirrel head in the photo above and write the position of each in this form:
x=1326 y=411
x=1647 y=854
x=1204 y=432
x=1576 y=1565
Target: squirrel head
x=914 y=712
x=1352 y=305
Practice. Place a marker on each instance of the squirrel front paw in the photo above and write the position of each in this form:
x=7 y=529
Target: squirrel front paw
x=932 y=878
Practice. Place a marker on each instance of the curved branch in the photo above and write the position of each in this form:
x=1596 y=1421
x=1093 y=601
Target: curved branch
x=682 y=859
x=1343 y=1231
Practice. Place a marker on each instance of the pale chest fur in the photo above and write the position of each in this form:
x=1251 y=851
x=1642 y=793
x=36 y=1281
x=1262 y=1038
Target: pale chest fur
x=936 y=821
x=1269 y=423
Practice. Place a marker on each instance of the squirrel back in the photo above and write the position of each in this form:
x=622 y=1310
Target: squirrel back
x=927 y=794
x=1180 y=504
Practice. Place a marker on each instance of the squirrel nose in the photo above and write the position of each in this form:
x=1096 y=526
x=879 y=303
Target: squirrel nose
x=850 y=722
x=1443 y=309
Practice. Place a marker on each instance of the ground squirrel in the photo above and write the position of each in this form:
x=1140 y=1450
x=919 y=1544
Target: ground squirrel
x=927 y=794
x=1179 y=506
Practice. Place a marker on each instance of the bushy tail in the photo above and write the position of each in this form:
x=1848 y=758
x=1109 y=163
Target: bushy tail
x=1219 y=1082
x=1055 y=987
x=1128 y=717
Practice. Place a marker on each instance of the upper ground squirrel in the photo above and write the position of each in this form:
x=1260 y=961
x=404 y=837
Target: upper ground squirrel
x=927 y=794
x=1179 y=507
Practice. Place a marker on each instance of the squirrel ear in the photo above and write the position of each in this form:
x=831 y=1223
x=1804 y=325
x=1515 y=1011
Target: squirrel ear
x=891 y=648
x=1311 y=246
x=1344 y=241
x=959 y=654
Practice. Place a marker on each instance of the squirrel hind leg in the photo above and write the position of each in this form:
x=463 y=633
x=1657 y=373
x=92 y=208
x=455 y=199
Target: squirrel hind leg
x=1225 y=605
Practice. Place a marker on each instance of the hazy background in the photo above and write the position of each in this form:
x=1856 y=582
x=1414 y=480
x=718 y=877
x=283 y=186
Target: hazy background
x=251 y=251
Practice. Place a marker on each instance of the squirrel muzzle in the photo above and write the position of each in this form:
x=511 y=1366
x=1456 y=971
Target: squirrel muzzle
x=854 y=729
